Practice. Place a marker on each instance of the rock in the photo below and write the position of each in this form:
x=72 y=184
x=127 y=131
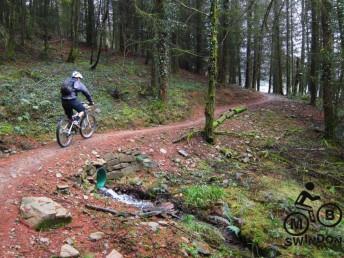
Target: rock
x=166 y=206
x=68 y=251
x=123 y=158
x=202 y=248
x=40 y=212
x=94 y=152
x=114 y=254
x=62 y=188
x=109 y=156
x=58 y=175
x=112 y=163
x=119 y=166
x=130 y=170
x=153 y=225
x=115 y=175
x=44 y=240
x=217 y=220
x=177 y=160
x=163 y=223
x=163 y=151
x=69 y=241
x=96 y=236
x=98 y=163
x=183 y=153
x=90 y=169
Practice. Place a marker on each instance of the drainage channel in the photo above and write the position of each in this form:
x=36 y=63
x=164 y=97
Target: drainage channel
x=127 y=199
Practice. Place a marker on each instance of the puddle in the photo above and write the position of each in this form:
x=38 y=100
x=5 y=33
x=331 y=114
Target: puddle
x=127 y=199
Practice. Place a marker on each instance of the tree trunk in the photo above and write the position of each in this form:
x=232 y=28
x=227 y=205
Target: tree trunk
x=313 y=83
x=277 y=84
x=329 y=115
x=303 y=41
x=102 y=32
x=248 y=49
x=288 y=48
x=90 y=22
x=75 y=30
x=210 y=106
x=162 y=51
x=223 y=47
x=199 y=37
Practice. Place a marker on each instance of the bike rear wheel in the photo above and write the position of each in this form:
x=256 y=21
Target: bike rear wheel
x=63 y=136
x=88 y=126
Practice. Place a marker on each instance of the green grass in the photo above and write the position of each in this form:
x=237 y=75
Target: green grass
x=203 y=196
x=30 y=98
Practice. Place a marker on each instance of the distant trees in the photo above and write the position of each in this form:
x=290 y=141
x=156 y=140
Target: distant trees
x=275 y=42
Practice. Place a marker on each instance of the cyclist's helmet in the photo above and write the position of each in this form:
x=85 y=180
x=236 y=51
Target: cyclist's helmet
x=76 y=74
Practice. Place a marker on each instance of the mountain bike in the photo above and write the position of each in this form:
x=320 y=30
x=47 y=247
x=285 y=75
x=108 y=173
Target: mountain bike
x=66 y=129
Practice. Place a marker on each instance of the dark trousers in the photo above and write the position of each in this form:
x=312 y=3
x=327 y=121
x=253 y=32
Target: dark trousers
x=72 y=104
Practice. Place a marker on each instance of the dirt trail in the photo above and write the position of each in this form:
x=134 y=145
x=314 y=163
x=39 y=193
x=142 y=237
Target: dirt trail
x=33 y=161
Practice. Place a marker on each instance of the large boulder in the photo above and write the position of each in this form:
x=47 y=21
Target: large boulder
x=43 y=212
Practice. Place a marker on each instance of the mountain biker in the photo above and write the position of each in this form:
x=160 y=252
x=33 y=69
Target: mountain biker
x=69 y=92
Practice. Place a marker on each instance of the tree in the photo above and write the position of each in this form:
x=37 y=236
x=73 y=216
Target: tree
x=248 y=75
x=327 y=52
x=90 y=23
x=212 y=69
x=74 y=31
x=276 y=51
x=223 y=46
x=101 y=32
x=162 y=50
x=313 y=75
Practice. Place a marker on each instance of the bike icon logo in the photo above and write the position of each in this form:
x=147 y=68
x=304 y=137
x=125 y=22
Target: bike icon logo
x=297 y=223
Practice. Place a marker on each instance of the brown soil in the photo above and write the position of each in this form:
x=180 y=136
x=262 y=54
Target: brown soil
x=33 y=173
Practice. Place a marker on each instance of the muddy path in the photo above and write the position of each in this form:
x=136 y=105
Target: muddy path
x=33 y=161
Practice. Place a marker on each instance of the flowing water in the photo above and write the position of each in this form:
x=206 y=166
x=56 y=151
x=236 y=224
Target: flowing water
x=125 y=198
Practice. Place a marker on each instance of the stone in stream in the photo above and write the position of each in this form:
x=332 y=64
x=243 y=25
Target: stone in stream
x=114 y=254
x=43 y=212
x=68 y=251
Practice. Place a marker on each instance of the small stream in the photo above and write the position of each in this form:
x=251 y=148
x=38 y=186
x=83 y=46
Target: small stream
x=127 y=199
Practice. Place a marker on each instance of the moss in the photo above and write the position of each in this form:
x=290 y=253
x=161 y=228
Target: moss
x=6 y=128
x=207 y=232
x=53 y=224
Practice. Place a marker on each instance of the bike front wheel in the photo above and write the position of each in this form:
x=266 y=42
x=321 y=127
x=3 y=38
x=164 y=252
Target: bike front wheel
x=63 y=134
x=88 y=126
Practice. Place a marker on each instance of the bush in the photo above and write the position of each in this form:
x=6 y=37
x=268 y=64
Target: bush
x=203 y=196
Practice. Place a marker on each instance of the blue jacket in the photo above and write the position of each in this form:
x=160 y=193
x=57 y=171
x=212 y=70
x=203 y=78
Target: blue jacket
x=78 y=86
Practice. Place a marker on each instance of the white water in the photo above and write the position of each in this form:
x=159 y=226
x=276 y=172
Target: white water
x=127 y=199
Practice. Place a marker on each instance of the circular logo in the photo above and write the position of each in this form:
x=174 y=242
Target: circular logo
x=296 y=224
x=329 y=215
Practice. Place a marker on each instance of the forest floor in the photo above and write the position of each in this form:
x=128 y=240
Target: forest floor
x=258 y=169
x=250 y=178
